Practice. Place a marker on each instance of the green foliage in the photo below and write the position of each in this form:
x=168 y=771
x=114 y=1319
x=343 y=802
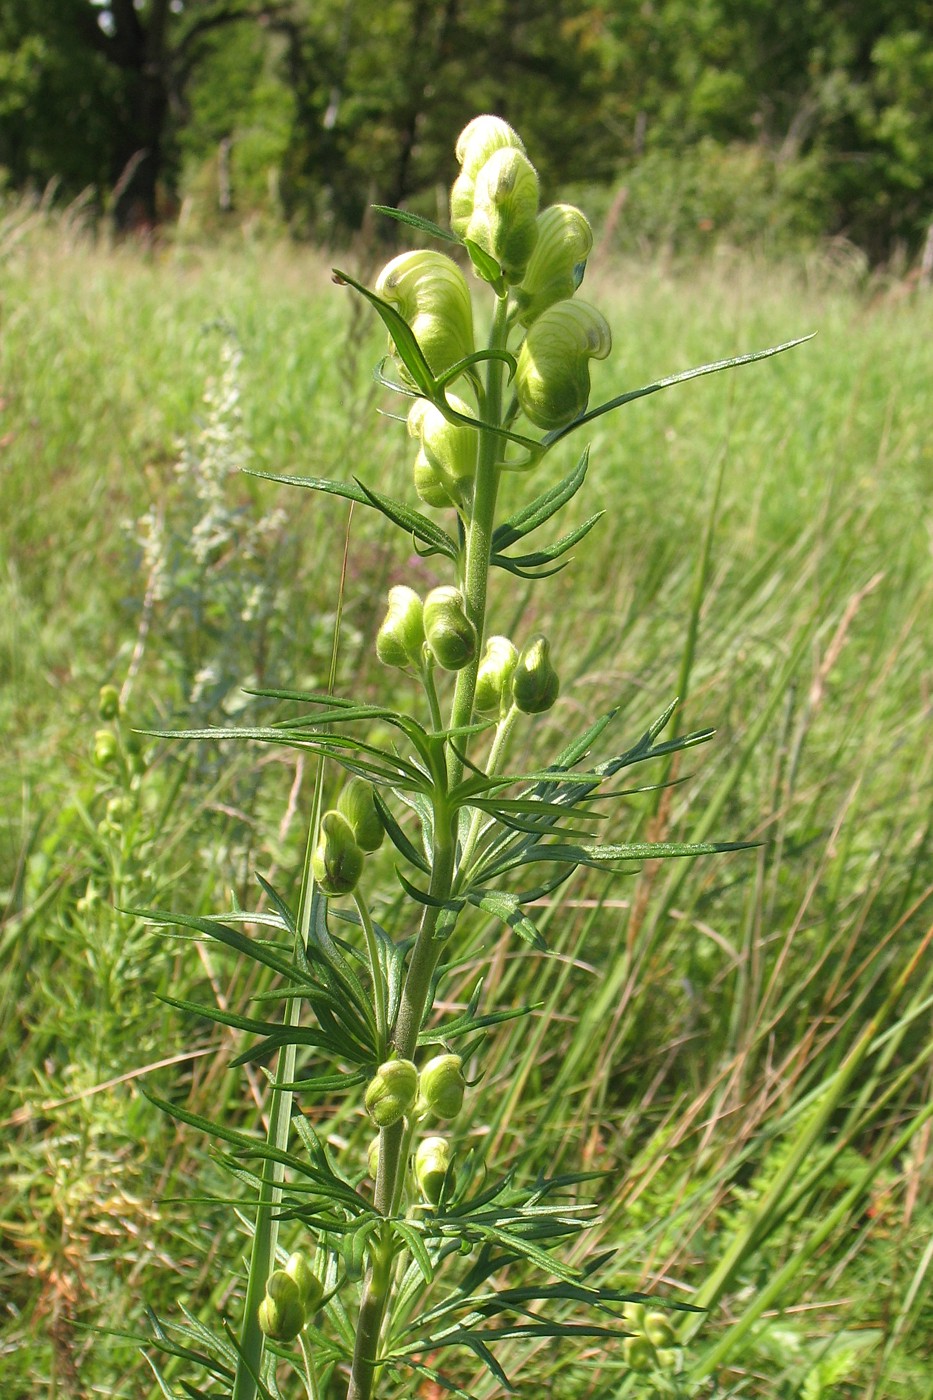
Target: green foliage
x=690 y=1014
x=721 y=119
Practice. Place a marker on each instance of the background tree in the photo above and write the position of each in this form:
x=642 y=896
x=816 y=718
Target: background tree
x=814 y=117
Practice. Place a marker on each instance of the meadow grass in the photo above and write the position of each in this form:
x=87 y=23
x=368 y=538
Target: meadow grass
x=738 y=1043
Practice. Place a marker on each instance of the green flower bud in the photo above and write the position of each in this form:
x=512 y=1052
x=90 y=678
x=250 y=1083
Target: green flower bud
x=281 y=1315
x=658 y=1330
x=432 y=1158
x=441 y=1086
x=357 y=804
x=391 y=1094
x=553 y=376
x=106 y=748
x=432 y=294
x=337 y=863
x=108 y=702
x=638 y=1353
x=118 y=809
x=634 y=1315
x=372 y=1158
x=446 y=464
x=535 y=684
x=310 y=1287
x=670 y=1359
x=477 y=143
x=430 y=484
x=494 y=677
x=401 y=636
x=450 y=634
x=555 y=268
x=505 y=209
x=480 y=139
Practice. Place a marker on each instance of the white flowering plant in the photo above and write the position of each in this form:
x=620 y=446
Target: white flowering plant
x=397 y=1261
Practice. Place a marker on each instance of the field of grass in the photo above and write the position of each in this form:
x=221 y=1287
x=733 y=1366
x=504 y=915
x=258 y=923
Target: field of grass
x=741 y=1043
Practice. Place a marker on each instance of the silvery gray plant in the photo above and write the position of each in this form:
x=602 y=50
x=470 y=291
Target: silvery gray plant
x=425 y=1248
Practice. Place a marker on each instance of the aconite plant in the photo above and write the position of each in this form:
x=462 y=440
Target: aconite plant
x=367 y=1269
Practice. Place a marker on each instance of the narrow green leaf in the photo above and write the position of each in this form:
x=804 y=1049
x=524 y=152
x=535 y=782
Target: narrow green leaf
x=278 y=903
x=346 y=489
x=464 y=1024
x=486 y=266
x=542 y=508
x=550 y=438
x=424 y=897
x=416 y=1245
x=399 y=840
x=412 y=520
x=323 y=1083
x=423 y=225
x=550 y=552
x=403 y=337
x=507 y=908
x=221 y=933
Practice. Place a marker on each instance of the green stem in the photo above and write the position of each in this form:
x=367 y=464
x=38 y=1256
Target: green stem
x=496 y=754
x=416 y=989
x=262 y=1253
x=430 y=690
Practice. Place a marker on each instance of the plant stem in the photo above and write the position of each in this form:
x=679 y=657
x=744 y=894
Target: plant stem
x=416 y=990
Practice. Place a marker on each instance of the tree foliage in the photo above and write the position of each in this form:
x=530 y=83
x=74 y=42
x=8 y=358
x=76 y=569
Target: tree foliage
x=326 y=106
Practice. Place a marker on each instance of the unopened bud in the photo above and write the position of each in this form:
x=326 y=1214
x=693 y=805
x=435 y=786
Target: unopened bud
x=432 y=1159
x=337 y=863
x=477 y=143
x=480 y=139
x=357 y=804
x=555 y=268
x=108 y=703
x=658 y=1330
x=372 y=1158
x=553 y=376
x=450 y=634
x=432 y=294
x=401 y=637
x=310 y=1288
x=670 y=1359
x=535 y=684
x=441 y=1086
x=638 y=1353
x=634 y=1316
x=505 y=209
x=106 y=748
x=446 y=463
x=494 y=677
x=281 y=1315
x=392 y=1092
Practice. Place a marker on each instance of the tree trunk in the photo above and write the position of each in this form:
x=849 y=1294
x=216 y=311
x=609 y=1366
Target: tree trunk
x=139 y=157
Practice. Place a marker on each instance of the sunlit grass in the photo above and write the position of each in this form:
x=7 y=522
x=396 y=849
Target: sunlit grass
x=730 y=992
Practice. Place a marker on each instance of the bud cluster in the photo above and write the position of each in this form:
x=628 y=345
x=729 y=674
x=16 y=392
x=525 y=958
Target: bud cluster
x=348 y=833
x=398 y=1090
x=416 y=634
x=507 y=677
x=652 y=1343
x=293 y=1295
